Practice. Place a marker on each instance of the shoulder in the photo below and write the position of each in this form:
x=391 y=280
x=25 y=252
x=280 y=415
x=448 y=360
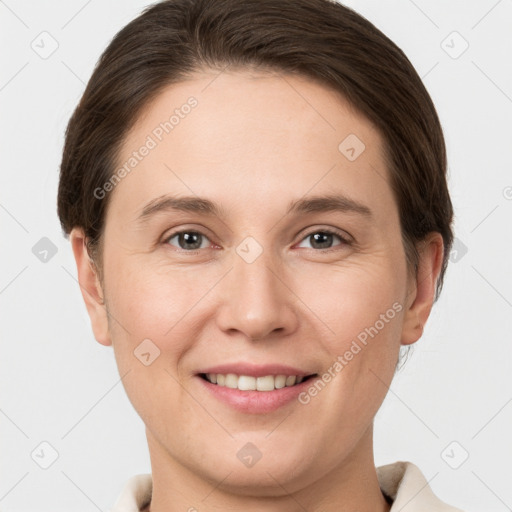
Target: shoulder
x=405 y=484
x=136 y=494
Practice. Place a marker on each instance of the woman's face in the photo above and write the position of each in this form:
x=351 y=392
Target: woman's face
x=290 y=264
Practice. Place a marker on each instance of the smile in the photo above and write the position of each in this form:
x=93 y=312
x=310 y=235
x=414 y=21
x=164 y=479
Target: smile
x=252 y=383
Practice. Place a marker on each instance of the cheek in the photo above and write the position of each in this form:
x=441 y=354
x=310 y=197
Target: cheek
x=142 y=306
x=170 y=307
x=151 y=332
x=355 y=300
x=363 y=311
x=152 y=304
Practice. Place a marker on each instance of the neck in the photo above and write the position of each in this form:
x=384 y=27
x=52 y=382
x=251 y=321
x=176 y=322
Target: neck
x=352 y=485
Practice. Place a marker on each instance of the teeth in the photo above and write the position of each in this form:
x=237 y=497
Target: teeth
x=231 y=381
x=246 y=383
x=249 y=383
x=280 y=381
x=290 y=381
x=265 y=383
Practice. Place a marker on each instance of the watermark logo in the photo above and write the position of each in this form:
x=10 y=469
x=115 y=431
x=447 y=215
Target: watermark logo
x=44 y=455
x=45 y=45
x=351 y=147
x=44 y=250
x=455 y=455
x=458 y=251
x=249 y=249
x=454 y=45
x=146 y=352
x=249 y=454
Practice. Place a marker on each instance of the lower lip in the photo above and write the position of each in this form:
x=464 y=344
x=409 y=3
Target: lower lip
x=255 y=402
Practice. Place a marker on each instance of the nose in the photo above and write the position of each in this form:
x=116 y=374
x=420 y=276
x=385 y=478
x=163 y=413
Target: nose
x=257 y=300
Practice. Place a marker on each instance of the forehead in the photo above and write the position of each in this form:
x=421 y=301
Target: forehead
x=243 y=136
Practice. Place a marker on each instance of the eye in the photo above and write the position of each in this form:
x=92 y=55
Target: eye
x=323 y=239
x=189 y=240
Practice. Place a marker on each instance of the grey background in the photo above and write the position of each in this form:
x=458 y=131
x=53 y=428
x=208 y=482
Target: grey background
x=453 y=398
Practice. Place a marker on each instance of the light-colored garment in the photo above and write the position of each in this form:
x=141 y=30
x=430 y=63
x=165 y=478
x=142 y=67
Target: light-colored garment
x=403 y=482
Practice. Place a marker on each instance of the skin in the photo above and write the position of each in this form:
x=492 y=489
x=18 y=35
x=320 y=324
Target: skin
x=255 y=142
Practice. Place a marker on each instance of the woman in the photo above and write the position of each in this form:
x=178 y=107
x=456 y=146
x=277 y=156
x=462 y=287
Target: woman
x=255 y=194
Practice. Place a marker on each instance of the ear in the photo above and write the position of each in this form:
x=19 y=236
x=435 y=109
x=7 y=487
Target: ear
x=422 y=287
x=90 y=287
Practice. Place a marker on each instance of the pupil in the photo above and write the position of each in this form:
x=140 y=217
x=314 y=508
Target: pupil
x=188 y=238
x=320 y=239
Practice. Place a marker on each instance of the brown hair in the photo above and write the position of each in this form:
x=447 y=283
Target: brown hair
x=320 y=39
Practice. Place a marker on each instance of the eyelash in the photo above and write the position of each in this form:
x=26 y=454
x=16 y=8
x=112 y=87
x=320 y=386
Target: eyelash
x=344 y=240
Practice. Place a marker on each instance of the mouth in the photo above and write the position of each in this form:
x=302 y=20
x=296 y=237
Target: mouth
x=254 y=388
x=263 y=383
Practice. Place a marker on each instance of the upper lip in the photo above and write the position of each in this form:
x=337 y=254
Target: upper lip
x=255 y=370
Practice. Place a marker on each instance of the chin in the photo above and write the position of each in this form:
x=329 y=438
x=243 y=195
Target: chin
x=271 y=481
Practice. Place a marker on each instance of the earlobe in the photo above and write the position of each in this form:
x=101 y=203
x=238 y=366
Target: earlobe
x=420 y=299
x=90 y=287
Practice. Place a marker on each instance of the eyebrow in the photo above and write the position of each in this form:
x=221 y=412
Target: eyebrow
x=191 y=204
x=203 y=206
x=328 y=203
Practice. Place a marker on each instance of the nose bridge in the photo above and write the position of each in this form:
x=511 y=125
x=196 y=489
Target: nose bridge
x=257 y=302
